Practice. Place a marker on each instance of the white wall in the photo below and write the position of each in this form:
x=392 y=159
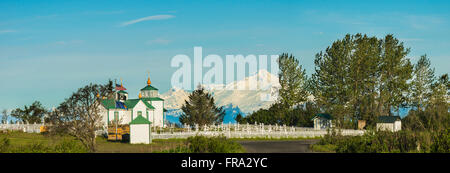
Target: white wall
x=156 y=115
x=139 y=133
x=140 y=106
x=385 y=126
x=393 y=127
x=320 y=123
x=104 y=112
x=157 y=118
x=124 y=115
x=397 y=126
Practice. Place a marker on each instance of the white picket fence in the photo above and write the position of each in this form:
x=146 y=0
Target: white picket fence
x=273 y=134
x=249 y=131
x=228 y=130
x=28 y=128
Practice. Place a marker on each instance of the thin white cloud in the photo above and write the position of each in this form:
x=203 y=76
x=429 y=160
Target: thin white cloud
x=7 y=31
x=156 y=17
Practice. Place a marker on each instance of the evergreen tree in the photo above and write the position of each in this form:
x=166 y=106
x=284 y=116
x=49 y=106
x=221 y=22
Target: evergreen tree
x=292 y=79
x=200 y=109
x=395 y=71
x=438 y=115
x=421 y=83
x=363 y=75
x=435 y=116
x=240 y=119
x=330 y=80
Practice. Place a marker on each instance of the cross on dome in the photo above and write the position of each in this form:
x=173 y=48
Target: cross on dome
x=148 y=80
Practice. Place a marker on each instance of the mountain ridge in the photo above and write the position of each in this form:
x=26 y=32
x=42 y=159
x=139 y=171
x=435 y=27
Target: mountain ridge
x=256 y=91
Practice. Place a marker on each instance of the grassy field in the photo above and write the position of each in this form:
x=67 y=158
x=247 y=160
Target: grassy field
x=328 y=148
x=104 y=146
x=20 y=140
x=274 y=139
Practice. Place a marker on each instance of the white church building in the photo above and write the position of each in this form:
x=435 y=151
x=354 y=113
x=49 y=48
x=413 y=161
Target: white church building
x=123 y=110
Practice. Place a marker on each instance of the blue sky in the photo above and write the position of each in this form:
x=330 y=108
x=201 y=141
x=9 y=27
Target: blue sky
x=48 y=49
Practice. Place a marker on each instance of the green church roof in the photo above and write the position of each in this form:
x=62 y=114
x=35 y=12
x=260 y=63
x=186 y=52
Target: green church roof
x=153 y=99
x=130 y=103
x=109 y=103
x=140 y=120
x=149 y=87
x=148 y=104
x=324 y=115
x=388 y=119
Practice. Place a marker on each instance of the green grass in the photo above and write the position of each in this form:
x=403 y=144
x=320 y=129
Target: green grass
x=157 y=145
x=19 y=142
x=202 y=144
x=20 y=138
x=273 y=139
x=327 y=148
x=22 y=142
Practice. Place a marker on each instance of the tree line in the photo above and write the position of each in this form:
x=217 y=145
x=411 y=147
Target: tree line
x=31 y=114
x=78 y=115
x=359 y=78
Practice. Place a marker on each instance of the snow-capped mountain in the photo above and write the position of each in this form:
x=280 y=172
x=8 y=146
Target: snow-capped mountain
x=249 y=94
x=174 y=98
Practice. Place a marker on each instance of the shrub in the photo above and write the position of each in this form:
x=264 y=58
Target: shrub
x=69 y=146
x=324 y=148
x=35 y=147
x=441 y=142
x=4 y=144
x=333 y=136
x=201 y=144
x=379 y=142
x=65 y=146
x=390 y=142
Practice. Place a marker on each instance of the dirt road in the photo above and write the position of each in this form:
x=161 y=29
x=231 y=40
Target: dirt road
x=297 y=146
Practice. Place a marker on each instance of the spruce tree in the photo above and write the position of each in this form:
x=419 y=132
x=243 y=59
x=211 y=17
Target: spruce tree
x=421 y=83
x=240 y=119
x=395 y=71
x=363 y=74
x=361 y=77
x=330 y=81
x=200 y=109
x=292 y=79
x=438 y=116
